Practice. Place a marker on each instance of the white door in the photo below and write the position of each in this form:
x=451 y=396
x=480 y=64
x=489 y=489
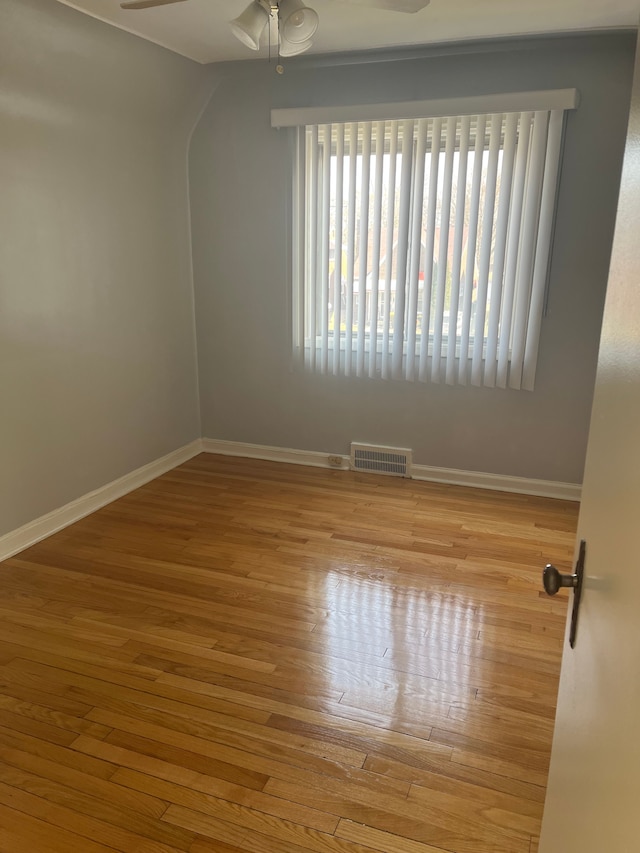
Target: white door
x=593 y=798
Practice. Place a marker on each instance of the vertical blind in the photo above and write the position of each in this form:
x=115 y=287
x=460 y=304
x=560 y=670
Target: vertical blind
x=421 y=246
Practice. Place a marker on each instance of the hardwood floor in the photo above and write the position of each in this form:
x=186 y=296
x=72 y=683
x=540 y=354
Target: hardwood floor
x=250 y=657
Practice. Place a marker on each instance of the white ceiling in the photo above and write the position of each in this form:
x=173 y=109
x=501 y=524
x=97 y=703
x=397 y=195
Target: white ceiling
x=199 y=28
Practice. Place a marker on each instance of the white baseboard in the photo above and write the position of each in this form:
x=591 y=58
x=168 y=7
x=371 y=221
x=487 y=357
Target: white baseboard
x=499 y=482
x=475 y=479
x=272 y=454
x=46 y=525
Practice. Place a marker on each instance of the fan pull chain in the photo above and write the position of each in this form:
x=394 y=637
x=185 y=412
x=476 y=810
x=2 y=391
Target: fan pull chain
x=279 y=66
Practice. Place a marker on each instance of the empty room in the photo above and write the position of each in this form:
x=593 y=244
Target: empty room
x=319 y=351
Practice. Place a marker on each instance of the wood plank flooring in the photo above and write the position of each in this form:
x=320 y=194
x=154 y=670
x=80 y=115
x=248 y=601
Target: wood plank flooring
x=250 y=657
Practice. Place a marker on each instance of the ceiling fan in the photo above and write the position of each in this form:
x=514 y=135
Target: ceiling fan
x=297 y=23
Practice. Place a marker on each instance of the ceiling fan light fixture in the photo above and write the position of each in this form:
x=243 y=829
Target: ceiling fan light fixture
x=298 y=22
x=249 y=26
x=288 y=48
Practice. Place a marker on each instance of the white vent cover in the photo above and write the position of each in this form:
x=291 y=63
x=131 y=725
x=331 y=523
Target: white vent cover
x=381 y=460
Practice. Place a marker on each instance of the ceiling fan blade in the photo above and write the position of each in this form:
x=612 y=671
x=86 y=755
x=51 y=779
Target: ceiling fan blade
x=391 y=5
x=147 y=4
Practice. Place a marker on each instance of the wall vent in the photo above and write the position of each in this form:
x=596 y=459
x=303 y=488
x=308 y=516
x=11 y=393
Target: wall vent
x=395 y=461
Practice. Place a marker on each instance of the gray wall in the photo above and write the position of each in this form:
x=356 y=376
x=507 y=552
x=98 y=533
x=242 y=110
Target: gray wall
x=239 y=172
x=97 y=346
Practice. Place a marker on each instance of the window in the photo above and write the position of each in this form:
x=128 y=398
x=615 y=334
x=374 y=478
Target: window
x=421 y=244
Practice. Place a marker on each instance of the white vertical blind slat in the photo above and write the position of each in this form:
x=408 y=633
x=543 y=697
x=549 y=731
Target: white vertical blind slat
x=403 y=246
x=351 y=239
x=543 y=247
x=430 y=238
x=416 y=247
x=443 y=253
x=364 y=246
x=513 y=241
x=531 y=213
x=312 y=261
x=474 y=211
x=391 y=208
x=458 y=238
x=337 y=253
x=375 y=253
x=324 y=238
x=502 y=223
x=484 y=263
x=299 y=245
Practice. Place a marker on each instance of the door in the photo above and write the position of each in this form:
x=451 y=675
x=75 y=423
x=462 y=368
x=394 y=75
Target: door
x=593 y=797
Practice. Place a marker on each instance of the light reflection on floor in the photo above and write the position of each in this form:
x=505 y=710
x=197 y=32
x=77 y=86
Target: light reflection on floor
x=401 y=640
